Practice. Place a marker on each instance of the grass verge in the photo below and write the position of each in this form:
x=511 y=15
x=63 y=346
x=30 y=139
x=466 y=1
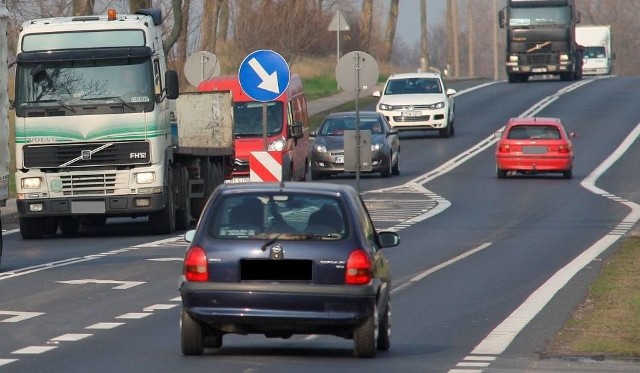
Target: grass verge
x=607 y=323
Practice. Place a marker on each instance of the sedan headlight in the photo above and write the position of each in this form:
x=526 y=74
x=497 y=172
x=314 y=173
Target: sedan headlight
x=438 y=105
x=145 y=177
x=277 y=145
x=320 y=148
x=385 y=107
x=376 y=147
x=31 y=183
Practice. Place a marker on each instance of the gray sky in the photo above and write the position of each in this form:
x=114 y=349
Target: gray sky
x=409 y=18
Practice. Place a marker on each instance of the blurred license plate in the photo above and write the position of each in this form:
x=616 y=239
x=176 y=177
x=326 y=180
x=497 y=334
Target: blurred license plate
x=236 y=180
x=539 y=70
x=411 y=113
x=87 y=207
x=340 y=159
x=534 y=149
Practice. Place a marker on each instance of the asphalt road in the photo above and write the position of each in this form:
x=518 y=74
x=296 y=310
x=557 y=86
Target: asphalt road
x=487 y=270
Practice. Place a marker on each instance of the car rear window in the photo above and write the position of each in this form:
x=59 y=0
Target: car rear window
x=526 y=132
x=277 y=215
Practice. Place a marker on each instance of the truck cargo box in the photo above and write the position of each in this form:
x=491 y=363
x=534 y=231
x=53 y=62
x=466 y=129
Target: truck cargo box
x=204 y=123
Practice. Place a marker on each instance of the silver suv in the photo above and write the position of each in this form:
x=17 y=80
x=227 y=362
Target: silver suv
x=418 y=102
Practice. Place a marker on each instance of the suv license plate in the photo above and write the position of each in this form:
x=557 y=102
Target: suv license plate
x=340 y=159
x=411 y=113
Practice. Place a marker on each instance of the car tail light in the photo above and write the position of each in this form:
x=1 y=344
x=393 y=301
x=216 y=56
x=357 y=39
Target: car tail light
x=564 y=149
x=504 y=148
x=195 y=265
x=358 y=268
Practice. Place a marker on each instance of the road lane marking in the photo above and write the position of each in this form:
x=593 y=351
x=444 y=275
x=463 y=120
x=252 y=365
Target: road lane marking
x=123 y=285
x=134 y=315
x=105 y=325
x=71 y=337
x=34 y=350
x=19 y=315
x=7 y=361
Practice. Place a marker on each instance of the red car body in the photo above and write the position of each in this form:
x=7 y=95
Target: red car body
x=534 y=145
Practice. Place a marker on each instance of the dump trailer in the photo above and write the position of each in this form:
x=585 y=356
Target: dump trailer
x=596 y=41
x=5 y=159
x=541 y=39
x=99 y=133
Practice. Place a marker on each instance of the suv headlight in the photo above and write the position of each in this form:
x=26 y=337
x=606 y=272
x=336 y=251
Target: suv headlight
x=277 y=145
x=438 y=105
x=385 y=107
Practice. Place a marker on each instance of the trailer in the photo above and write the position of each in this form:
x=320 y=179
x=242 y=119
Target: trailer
x=99 y=133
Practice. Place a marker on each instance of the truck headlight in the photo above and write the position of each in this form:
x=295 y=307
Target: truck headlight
x=277 y=145
x=564 y=57
x=385 y=107
x=31 y=183
x=513 y=58
x=144 y=177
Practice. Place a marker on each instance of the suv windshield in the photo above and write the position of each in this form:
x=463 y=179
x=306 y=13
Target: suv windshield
x=278 y=216
x=413 y=85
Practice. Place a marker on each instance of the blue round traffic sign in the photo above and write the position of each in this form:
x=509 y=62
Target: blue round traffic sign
x=264 y=75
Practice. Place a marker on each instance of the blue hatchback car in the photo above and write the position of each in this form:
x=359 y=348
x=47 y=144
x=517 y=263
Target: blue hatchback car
x=286 y=258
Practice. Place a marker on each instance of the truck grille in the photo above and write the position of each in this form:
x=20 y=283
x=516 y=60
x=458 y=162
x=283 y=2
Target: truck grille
x=95 y=184
x=86 y=154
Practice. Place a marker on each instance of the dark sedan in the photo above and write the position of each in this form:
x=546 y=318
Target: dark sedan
x=286 y=258
x=327 y=153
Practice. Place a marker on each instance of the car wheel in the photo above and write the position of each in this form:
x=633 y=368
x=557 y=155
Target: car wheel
x=384 y=330
x=452 y=125
x=191 y=338
x=500 y=173
x=366 y=336
x=396 y=167
x=388 y=169
x=445 y=132
x=567 y=174
x=213 y=340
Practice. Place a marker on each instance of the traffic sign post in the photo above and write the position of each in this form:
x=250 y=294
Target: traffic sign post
x=338 y=23
x=264 y=76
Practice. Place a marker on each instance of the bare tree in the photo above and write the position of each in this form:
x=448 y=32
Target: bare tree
x=134 y=5
x=209 y=29
x=366 y=21
x=223 y=19
x=390 y=33
x=82 y=7
x=168 y=43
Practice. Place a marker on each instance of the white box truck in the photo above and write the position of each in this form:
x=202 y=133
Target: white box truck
x=4 y=119
x=97 y=132
x=597 y=57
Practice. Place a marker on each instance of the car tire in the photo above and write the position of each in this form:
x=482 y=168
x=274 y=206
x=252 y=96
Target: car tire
x=500 y=173
x=452 y=131
x=213 y=340
x=396 y=167
x=365 y=337
x=384 y=330
x=567 y=174
x=191 y=337
x=388 y=170
x=445 y=132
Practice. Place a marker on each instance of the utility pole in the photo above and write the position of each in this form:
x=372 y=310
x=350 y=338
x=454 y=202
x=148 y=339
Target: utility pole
x=424 y=50
x=495 y=39
x=456 y=50
x=472 y=72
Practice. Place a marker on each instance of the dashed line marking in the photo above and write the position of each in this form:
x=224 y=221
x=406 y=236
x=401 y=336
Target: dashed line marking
x=71 y=337
x=134 y=315
x=105 y=325
x=34 y=350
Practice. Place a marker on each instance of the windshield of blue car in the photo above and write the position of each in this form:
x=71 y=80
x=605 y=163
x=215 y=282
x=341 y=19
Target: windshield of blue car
x=278 y=216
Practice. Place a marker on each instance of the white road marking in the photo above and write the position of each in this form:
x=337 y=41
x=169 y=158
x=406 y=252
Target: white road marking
x=105 y=325
x=19 y=315
x=134 y=315
x=156 y=307
x=34 y=350
x=71 y=337
x=122 y=284
x=7 y=361
x=176 y=259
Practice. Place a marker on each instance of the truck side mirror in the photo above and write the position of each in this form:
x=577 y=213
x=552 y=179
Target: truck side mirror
x=295 y=130
x=171 y=84
x=501 y=21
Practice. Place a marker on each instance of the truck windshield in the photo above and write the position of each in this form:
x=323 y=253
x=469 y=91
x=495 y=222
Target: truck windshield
x=248 y=120
x=76 y=82
x=595 y=52
x=540 y=16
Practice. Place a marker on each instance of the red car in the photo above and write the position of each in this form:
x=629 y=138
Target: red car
x=534 y=145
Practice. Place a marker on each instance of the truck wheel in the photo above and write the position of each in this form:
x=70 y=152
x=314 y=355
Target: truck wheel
x=206 y=174
x=69 y=226
x=183 y=215
x=164 y=221
x=0 y=241
x=31 y=228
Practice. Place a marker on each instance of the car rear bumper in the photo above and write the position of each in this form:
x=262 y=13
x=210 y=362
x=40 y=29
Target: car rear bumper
x=287 y=308
x=546 y=164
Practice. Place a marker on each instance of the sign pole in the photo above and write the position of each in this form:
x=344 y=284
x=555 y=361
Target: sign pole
x=338 y=42
x=356 y=68
x=265 y=138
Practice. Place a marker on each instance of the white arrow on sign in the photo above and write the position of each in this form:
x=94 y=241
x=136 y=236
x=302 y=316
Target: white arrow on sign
x=19 y=316
x=123 y=284
x=269 y=81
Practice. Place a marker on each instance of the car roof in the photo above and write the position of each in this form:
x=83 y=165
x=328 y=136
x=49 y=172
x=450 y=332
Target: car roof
x=287 y=187
x=342 y=114
x=535 y=121
x=414 y=75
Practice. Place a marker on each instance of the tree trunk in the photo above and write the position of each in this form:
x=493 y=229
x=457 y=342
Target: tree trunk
x=209 y=30
x=392 y=21
x=223 y=30
x=183 y=44
x=168 y=43
x=424 y=37
x=83 y=7
x=134 y=5
x=366 y=21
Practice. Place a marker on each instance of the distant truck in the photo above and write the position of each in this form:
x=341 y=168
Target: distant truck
x=98 y=133
x=598 y=57
x=5 y=159
x=541 y=39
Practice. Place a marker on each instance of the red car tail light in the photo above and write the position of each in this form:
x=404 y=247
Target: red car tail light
x=195 y=265
x=564 y=148
x=504 y=148
x=358 y=268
